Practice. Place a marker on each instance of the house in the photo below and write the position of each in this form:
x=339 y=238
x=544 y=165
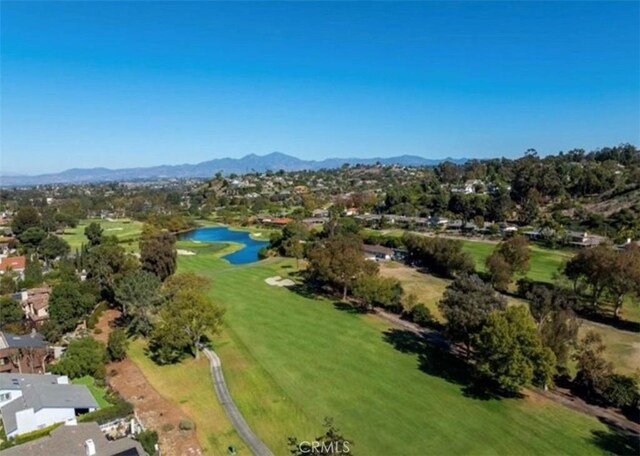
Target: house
x=35 y=304
x=16 y=264
x=5 y=245
x=34 y=401
x=82 y=439
x=583 y=239
x=351 y=211
x=377 y=252
x=276 y=221
x=438 y=221
x=23 y=353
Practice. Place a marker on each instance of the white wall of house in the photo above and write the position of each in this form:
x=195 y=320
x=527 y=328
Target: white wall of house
x=28 y=420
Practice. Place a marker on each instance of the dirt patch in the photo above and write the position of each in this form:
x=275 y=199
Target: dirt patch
x=154 y=411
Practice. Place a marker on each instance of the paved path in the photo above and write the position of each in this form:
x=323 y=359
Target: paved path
x=242 y=428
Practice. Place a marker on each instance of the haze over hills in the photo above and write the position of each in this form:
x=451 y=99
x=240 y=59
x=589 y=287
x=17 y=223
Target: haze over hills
x=250 y=163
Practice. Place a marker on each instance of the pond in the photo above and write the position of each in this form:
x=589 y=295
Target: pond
x=247 y=254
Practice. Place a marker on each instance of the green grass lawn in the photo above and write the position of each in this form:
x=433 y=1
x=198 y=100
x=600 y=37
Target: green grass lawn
x=99 y=392
x=189 y=387
x=291 y=360
x=544 y=262
x=127 y=231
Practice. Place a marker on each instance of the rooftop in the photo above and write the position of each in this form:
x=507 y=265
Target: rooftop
x=70 y=440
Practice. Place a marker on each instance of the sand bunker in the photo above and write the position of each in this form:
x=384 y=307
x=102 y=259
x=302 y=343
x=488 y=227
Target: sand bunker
x=185 y=252
x=278 y=281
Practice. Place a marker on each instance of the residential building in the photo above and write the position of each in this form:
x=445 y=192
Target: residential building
x=35 y=304
x=82 y=439
x=23 y=353
x=16 y=264
x=377 y=252
x=29 y=402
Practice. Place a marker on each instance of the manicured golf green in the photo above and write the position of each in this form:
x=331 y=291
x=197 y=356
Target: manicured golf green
x=291 y=360
x=127 y=231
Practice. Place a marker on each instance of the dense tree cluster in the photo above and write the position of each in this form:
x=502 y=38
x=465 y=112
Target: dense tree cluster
x=441 y=256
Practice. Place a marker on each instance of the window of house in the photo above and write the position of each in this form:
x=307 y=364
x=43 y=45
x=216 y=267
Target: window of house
x=5 y=397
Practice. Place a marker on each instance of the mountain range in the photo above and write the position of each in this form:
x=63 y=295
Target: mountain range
x=250 y=163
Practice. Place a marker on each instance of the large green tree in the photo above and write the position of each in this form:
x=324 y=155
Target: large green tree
x=10 y=311
x=138 y=294
x=339 y=261
x=158 y=254
x=466 y=305
x=189 y=316
x=85 y=356
x=509 y=352
x=26 y=217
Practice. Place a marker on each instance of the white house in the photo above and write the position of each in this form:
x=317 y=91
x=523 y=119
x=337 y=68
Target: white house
x=29 y=402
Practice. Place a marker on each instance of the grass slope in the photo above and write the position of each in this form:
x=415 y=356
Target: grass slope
x=127 y=231
x=291 y=360
x=189 y=386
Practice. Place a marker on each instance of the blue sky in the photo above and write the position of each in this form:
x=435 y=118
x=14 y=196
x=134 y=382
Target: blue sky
x=144 y=83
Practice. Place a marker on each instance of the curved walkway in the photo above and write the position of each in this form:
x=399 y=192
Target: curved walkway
x=242 y=428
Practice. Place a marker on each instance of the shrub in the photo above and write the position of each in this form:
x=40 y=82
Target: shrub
x=29 y=436
x=96 y=314
x=117 y=345
x=121 y=409
x=185 y=425
x=85 y=356
x=421 y=315
x=148 y=439
x=167 y=427
x=97 y=331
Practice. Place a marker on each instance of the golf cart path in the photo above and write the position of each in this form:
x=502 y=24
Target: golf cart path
x=256 y=445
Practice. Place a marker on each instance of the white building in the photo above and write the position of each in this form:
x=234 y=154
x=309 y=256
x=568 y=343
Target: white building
x=29 y=402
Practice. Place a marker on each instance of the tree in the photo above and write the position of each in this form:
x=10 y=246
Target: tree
x=191 y=315
x=184 y=281
x=294 y=247
x=552 y=310
x=117 y=345
x=332 y=442
x=27 y=217
x=54 y=247
x=440 y=255
x=594 y=267
x=378 y=291
x=516 y=252
x=32 y=237
x=509 y=352
x=8 y=283
x=138 y=294
x=624 y=277
x=339 y=261
x=500 y=272
x=106 y=264
x=10 y=311
x=593 y=371
x=67 y=305
x=32 y=273
x=94 y=233
x=84 y=356
x=466 y=305
x=158 y=254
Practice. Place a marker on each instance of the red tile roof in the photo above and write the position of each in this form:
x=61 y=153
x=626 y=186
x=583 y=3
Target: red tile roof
x=15 y=263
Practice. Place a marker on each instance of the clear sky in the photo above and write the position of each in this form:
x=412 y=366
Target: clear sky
x=144 y=83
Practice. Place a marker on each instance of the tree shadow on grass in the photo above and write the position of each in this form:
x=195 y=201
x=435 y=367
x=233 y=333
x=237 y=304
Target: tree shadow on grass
x=348 y=308
x=434 y=358
x=616 y=440
x=304 y=290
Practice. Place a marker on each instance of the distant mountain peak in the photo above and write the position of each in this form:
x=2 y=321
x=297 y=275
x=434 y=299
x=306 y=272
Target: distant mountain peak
x=249 y=163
